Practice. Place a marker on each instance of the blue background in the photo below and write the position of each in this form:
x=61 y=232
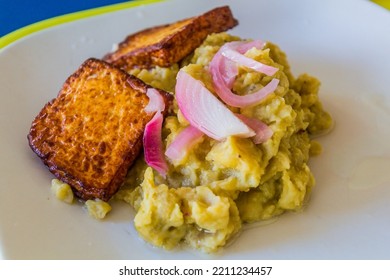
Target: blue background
x=15 y=14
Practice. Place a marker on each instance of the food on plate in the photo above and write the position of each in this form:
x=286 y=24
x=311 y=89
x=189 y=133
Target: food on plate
x=97 y=208
x=168 y=44
x=216 y=183
x=62 y=191
x=231 y=148
x=91 y=133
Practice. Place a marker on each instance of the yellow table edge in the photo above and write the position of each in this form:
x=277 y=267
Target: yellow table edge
x=383 y=3
x=29 y=29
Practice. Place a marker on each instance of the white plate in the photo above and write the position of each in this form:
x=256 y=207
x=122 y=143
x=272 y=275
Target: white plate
x=343 y=43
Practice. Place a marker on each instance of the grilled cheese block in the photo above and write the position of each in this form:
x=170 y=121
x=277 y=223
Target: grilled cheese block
x=92 y=132
x=168 y=44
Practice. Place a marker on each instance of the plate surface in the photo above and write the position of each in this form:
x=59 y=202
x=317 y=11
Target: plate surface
x=343 y=43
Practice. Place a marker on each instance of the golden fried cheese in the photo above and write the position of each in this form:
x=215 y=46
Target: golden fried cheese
x=168 y=44
x=91 y=133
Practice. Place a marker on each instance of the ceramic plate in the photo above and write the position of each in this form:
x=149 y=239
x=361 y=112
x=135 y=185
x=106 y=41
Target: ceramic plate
x=343 y=43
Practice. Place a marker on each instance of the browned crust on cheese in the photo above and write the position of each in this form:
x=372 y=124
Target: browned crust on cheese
x=92 y=132
x=168 y=44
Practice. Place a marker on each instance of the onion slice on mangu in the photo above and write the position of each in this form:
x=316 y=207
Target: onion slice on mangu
x=205 y=112
x=234 y=55
x=152 y=141
x=244 y=46
x=184 y=141
x=222 y=72
x=229 y=69
x=156 y=101
x=263 y=132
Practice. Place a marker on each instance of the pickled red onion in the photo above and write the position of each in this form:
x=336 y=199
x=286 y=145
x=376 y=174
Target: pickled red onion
x=263 y=132
x=243 y=60
x=156 y=101
x=223 y=81
x=229 y=69
x=152 y=141
x=229 y=73
x=184 y=141
x=205 y=112
x=243 y=47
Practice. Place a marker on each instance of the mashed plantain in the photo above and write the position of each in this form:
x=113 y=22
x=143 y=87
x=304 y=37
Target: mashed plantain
x=219 y=185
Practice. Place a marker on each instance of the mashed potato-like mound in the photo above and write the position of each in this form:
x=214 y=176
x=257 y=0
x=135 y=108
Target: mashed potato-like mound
x=217 y=186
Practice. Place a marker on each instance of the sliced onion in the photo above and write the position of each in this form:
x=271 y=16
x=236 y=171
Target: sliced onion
x=184 y=141
x=153 y=145
x=205 y=112
x=228 y=68
x=229 y=71
x=223 y=81
x=241 y=59
x=152 y=142
x=263 y=132
x=156 y=101
x=243 y=47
